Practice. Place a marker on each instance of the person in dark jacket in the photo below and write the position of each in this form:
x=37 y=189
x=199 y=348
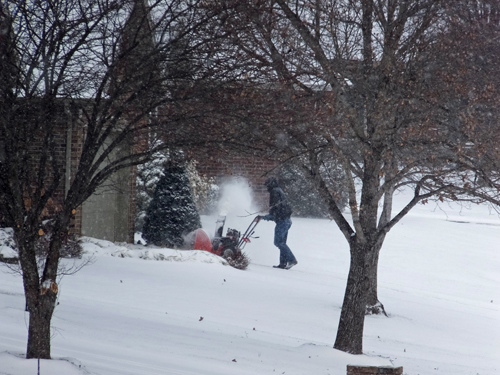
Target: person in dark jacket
x=280 y=212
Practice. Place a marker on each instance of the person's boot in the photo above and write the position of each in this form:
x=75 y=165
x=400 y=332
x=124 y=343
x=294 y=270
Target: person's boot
x=290 y=264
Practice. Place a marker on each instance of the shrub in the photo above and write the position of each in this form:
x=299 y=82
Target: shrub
x=71 y=246
x=172 y=212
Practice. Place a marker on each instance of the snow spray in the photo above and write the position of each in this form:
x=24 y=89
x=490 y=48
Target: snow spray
x=236 y=198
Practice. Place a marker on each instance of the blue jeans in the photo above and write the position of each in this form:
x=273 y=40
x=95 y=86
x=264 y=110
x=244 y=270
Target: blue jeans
x=280 y=236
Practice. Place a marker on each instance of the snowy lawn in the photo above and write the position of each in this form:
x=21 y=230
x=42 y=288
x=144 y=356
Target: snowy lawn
x=145 y=311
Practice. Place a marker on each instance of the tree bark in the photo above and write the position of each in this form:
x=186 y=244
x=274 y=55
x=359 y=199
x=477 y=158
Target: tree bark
x=373 y=304
x=371 y=274
x=39 y=324
x=360 y=297
x=40 y=301
x=352 y=317
x=40 y=293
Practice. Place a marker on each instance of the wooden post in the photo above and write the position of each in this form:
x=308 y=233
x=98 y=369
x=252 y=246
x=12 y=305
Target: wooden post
x=373 y=370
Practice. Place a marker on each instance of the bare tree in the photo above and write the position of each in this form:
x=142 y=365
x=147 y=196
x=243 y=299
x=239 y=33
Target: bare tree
x=103 y=67
x=363 y=84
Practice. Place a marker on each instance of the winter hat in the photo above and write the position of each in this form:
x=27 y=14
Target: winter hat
x=271 y=182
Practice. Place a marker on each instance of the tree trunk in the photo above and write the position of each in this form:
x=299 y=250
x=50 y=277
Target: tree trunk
x=373 y=305
x=39 y=324
x=371 y=274
x=40 y=301
x=40 y=293
x=352 y=317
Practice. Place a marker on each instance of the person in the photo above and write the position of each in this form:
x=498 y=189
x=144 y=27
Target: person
x=280 y=212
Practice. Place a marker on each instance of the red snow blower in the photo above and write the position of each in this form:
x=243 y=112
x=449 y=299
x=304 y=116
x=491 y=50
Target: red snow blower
x=229 y=246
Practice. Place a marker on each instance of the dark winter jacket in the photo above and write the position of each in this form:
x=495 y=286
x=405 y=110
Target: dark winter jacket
x=279 y=206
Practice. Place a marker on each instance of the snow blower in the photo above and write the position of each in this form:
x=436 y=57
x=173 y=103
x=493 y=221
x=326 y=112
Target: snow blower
x=229 y=246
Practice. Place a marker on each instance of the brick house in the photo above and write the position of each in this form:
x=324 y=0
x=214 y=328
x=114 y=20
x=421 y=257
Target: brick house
x=110 y=212
x=233 y=165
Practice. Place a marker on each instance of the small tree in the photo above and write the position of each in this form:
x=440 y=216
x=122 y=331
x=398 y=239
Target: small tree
x=172 y=213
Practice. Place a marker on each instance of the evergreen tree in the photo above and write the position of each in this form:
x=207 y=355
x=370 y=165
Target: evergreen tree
x=148 y=175
x=172 y=212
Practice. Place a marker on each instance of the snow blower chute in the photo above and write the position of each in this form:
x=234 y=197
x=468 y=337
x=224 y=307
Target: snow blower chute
x=229 y=246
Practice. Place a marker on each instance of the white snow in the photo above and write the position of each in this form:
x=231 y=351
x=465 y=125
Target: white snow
x=7 y=243
x=138 y=310
x=236 y=197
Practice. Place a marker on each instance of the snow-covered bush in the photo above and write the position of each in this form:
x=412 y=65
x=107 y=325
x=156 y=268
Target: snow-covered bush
x=205 y=191
x=239 y=261
x=172 y=212
x=71 y=247
x=8 y=247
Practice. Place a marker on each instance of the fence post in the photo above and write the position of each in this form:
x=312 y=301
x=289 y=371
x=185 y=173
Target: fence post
x=373 y=370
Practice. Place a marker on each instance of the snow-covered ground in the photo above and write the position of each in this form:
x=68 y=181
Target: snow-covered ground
x=149 y=311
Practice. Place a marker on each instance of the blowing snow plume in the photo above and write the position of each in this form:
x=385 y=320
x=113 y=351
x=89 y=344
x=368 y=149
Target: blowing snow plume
x=236 y=198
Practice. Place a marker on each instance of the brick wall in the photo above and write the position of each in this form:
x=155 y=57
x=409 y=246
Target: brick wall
x=76 y=129
x=222 y=166
x=37 y=147
x=68 y=138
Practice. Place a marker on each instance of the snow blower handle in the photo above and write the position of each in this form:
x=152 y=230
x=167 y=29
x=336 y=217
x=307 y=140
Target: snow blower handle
x=245 y=238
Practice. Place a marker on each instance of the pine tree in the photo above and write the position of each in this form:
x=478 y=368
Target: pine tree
x=172 y=212
x=148 y=175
